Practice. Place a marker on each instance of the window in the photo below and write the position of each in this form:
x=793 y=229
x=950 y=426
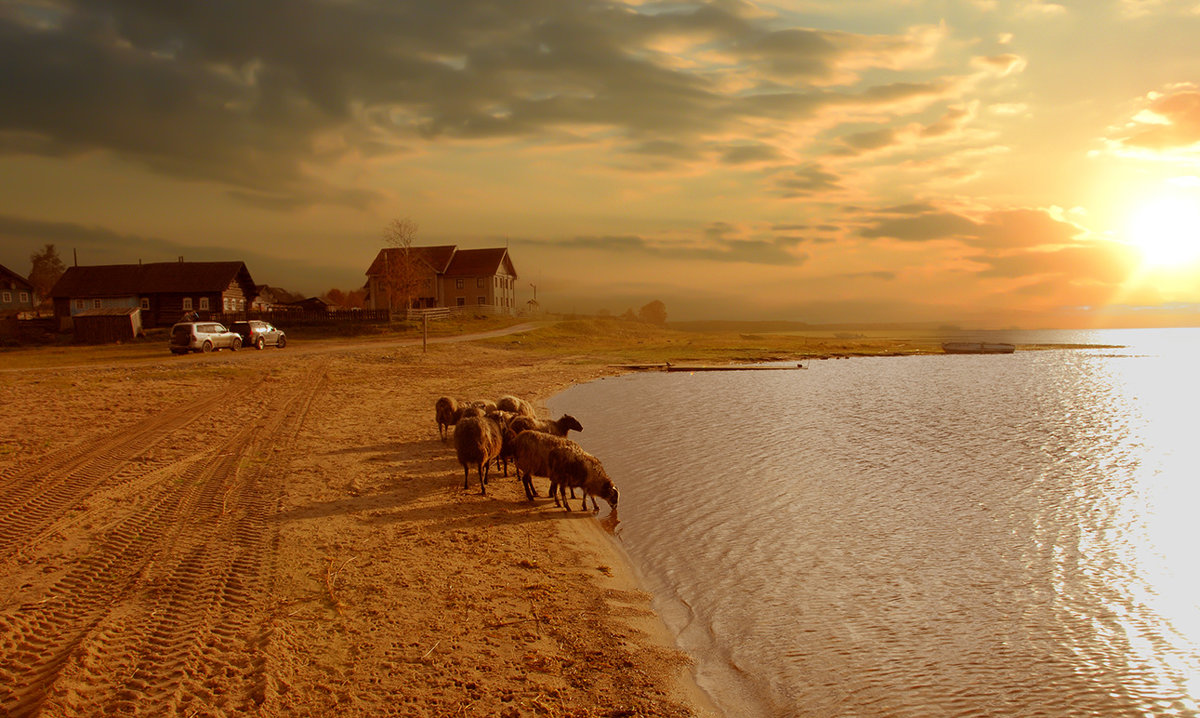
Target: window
x=204 y=304
x=459 y=283
x=228 y=304
x=479 y=283
x=146 y=303
x=79 y=304
x=187 y=304
x=462 y=301
x=24 y=297
x=6 y=297
x=96 y=304
x=482 y=300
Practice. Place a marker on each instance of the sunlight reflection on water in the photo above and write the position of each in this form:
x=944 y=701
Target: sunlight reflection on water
x=979 y=535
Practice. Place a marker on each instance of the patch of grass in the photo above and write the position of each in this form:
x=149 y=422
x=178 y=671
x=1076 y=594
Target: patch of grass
x=618 y=341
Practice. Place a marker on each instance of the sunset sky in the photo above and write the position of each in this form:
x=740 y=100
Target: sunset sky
x=988 y=163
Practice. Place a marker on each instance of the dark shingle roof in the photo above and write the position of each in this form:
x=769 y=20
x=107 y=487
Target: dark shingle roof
x=436 y=257
x=17 y=279
x=154 y=278
x=476 y=262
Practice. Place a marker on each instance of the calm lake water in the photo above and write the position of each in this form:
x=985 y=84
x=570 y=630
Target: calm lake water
x=980 y=535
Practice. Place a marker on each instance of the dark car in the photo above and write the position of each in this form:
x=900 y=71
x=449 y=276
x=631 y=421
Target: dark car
x=258 y=334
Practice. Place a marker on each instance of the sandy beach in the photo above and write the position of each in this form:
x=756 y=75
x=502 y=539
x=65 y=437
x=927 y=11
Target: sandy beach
x=283 y=533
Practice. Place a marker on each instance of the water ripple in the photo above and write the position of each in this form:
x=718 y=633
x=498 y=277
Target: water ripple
x=955 y=536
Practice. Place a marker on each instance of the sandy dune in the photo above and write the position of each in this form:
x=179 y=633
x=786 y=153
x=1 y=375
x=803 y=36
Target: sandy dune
x=282 y=533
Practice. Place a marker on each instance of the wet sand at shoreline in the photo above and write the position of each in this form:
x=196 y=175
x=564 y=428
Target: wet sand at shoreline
x=283 y=533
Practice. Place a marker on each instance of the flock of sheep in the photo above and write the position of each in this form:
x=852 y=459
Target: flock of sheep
x=509 y=430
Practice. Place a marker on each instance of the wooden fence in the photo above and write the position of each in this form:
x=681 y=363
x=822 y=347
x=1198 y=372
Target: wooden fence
x=467 y=310
x=299 y=318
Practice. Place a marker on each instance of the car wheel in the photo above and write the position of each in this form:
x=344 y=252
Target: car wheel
x=235 y=344
x=206 y=347
x=260 y=343
x=282 y=342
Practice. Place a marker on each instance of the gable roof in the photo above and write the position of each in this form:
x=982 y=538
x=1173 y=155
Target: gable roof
x=480 y=262
x=436 y=257
x=16 y=278
x=154 y=278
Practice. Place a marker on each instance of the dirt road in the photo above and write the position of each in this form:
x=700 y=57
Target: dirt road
x=284 y=534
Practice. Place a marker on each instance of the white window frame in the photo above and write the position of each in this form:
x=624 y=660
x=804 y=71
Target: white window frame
x=204 y=304
x=24 y=297
x=6 y=297
x=460 y=283
x=187 y=304
x=145 y=303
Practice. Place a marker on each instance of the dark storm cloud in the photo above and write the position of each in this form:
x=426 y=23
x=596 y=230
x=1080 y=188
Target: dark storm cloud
x=254 y=95
x=805 y=181
x=997 y=230
x=95 y=245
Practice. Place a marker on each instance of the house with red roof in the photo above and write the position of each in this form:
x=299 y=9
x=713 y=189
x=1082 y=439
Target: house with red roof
x=162 y=291
x=445 y=276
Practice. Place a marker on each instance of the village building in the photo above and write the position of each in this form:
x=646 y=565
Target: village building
x=16 y=292
x=162 y=291
x=271 y=299
x=446 y=276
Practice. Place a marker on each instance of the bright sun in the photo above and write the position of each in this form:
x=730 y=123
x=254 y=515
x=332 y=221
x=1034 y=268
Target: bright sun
x=1167 y=231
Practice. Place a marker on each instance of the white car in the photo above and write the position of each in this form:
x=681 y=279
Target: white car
x=202 y=337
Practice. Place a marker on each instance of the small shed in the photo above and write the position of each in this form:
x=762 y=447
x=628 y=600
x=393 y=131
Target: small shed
x=108 y=325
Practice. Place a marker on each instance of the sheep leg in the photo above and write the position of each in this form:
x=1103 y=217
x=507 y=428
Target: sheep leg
x=483 y=470
x=554 y=492
x=562 y=489
x=466 y=476
x=527 y=484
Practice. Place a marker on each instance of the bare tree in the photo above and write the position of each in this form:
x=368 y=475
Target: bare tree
x=402 y=271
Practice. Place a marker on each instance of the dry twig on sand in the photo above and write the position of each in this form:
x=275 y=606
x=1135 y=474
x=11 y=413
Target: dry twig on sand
x=331 y=580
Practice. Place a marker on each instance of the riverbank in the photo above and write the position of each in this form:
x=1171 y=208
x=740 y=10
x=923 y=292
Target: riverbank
x=282 y=533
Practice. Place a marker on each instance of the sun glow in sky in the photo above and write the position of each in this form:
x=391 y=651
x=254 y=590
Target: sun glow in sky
x=823 y=161
x=1166 y=231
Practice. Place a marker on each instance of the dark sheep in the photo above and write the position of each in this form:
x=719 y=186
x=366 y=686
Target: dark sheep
x=476 y=441
x=531 y=450
x=572 y=466
x=557 y=427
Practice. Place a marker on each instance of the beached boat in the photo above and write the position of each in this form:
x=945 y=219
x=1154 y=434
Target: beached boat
x=978 y=348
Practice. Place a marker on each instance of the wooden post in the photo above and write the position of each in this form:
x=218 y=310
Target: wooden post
x=425 y=332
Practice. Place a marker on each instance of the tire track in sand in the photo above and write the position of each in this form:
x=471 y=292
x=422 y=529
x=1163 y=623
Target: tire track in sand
x=168 y=610
x=33 y=496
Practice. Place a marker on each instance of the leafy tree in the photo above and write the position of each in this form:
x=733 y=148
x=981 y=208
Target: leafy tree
x=354 y=299
x=402 y=272
x=629 y=316
x=654 y=313
x=335 y=297
x=47 y=268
